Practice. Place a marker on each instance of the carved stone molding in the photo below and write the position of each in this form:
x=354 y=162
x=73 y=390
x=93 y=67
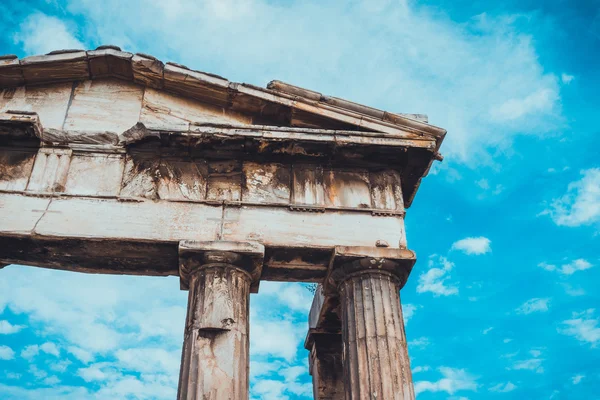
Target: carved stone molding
x=195 y=255
x=348 y=261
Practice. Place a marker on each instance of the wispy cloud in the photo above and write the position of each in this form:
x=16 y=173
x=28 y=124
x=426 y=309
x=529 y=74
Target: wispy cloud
x=503 y=387
x=533 y=305
x=532 y=364
x=566 y=78
x=408 y=310
x=473 y=245
x=418 y=369
x=583 y=327
x=581 y=204
x=421 y=342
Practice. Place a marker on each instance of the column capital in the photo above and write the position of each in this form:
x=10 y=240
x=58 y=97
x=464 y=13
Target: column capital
x=346 y=261
x=195 y=255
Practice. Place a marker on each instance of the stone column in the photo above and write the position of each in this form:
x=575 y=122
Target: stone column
x=215 y=356
x=376 y=363
x=325 y=365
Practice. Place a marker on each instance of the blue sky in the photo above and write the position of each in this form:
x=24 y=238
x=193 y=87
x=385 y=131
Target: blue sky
x=503 y=302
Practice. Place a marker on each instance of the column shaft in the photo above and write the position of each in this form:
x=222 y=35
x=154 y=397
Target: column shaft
x=325 y=365
x=215 y=357
x=376 y=363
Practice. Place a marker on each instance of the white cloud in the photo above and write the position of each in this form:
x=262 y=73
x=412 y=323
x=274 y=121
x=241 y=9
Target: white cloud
x=483 y=183
x=434 y=280
x=568 y=269
x=573 y=291
x=487 y=330
x=530 y=364
x=40 y=34
x=51 y=381
x=408 y=310
x=583 y=326
x=453 y=380
x=50 y=348
x=420 y=342
x=535 y=353
x=275 y=389
x=507 y=340
x=92 y=373
x=487 y=65
x=6 y=353
x=577 y=379
x=291 y=295
x=277 y=339
x=6 y=328
x=270 y=389
x=149 y=360
x=60 y=366
x=473 y=245
x=503 y=387
x=33 y=350
x=581 y=204
x=30 y=351
x=566 y=78
x=80 y=354
x=540 y=101
x=533 y=305
x=418 y=369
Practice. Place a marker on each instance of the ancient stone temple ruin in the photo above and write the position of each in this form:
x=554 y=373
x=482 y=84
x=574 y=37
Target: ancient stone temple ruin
x=115 y=163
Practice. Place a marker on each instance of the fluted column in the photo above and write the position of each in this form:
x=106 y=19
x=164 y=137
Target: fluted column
x=215 y=356
x=376 y=363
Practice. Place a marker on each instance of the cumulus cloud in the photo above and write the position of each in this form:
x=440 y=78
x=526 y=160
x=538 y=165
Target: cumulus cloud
x=583 y=327
x=473 y=245
x=33 y=350
x=453 y=380
x=435 y=279
x=576 y=380
x=533 y=305
x=567 y=269
x=581 y=204
x=6 y=328
x=6 y=353
x=40 y=34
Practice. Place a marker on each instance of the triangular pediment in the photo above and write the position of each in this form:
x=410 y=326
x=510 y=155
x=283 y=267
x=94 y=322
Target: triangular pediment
x=279 y=104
